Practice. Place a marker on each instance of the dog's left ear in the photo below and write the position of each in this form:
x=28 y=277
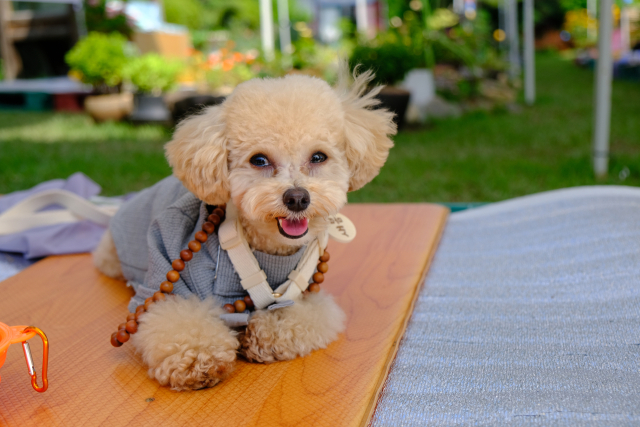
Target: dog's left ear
x=366 y=131
x=198 y=155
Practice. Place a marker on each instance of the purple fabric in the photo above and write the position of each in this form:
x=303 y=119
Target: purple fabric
x=58 y=239
x=77 y=183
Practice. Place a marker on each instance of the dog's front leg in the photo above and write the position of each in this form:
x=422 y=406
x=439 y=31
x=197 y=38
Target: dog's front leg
x=311 y=323
x=185 y=344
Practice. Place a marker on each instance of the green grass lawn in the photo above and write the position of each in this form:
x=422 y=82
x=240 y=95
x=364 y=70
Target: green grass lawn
x=479 y=157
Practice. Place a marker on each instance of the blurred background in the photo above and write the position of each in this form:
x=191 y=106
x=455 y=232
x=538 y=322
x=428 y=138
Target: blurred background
x=494 y=98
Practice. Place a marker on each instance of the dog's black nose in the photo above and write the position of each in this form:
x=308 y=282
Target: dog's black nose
x=296 y=199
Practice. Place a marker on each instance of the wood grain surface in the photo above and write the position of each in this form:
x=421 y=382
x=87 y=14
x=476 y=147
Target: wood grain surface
x=375 y=280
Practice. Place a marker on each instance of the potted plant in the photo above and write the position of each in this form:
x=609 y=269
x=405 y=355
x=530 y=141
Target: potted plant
x=98 y=60
x=222 y=71
x=152 y=75
x=420 y=81
x=390 y=62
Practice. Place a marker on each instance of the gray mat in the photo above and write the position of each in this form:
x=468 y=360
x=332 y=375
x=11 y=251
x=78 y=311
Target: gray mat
x=530 y=315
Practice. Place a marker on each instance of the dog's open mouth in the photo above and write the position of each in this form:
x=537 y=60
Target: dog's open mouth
x=293 y=228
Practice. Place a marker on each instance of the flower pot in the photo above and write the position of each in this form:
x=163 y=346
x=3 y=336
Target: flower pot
x=67 y=102
x=193 y=104
x=420 y=83
x=149 y=109
x=109 y=107
x=395 y=100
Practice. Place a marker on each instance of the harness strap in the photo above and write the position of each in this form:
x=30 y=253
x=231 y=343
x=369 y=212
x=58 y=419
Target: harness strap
x=252 y=277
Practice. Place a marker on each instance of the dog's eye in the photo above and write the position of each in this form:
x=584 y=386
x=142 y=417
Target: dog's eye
x=318 y=157
x=260 y=160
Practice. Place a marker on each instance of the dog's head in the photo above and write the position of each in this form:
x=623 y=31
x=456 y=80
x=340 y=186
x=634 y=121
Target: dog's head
x=286 y=151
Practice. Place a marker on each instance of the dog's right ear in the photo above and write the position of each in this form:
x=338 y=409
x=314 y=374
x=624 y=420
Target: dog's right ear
x=366 y=129
x=198 y=155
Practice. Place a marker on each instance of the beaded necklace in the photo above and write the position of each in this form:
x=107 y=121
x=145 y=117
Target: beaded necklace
x=211 y=225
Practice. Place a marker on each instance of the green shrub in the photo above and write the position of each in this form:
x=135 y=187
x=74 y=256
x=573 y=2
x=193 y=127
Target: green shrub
x=184 y=12
x=99 y=20
x=98 y=59
x=152 y=73
x=219 y=78
x=389 y=61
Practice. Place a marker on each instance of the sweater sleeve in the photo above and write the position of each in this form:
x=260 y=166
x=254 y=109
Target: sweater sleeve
x=167 y=235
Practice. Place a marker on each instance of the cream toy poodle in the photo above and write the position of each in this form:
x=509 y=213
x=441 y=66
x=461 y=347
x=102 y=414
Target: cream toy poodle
x=284 y=152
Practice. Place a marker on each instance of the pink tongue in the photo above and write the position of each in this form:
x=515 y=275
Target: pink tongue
x=294 y=227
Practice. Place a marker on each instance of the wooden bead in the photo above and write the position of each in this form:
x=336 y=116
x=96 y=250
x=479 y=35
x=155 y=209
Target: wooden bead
x=219 y=212
x=132 y=326
x=159 y=296
x=173 y=276
x=208 y=227
x=323 y=267
x=201 y=236
x=138 y=314
x=214 y=219
x=122 y=336
x=131 y=316
x=122 y=326
x=186 y=255
x=223 y=206
x=114 y=340
x=178 y=265
x=140 y=308
x=240 y=306
x=147 y=303
x=325 y=257
x=194 y=245
x=314 y=287
x=318 y=277
x=248 y=301
x=230 y=308
x=166 y=287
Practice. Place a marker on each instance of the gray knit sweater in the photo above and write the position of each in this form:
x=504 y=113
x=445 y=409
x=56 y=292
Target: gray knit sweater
x=152 y=228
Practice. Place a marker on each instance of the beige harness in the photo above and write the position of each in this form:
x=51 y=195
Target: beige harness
x=254 y=279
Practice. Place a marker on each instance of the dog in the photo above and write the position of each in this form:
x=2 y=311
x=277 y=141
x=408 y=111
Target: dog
x=285 y=152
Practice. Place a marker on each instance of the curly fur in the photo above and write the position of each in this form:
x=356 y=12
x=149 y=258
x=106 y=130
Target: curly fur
x=310 y=324
x=105 y=257
x=185 y=344
x=367 y=131
x=287 y=120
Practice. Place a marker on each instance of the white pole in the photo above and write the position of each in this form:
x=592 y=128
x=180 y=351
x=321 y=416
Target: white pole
x=285 y=30
x=529 y=58
x=266 y=29
x=603 y=78
x=458 y=6
x=361 y=16
x=511 y=10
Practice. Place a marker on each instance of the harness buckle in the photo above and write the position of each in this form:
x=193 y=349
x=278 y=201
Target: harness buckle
x=255 y=279
x=230 y=243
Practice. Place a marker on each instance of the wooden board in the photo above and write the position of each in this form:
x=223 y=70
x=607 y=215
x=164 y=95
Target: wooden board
x=375 y=280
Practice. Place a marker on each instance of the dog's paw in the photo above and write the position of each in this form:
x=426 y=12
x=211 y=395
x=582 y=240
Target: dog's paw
x=284 y=334
x=194 y=369
x=185 y=344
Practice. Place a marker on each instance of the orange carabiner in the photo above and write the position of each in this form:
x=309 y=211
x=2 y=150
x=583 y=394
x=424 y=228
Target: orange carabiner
x=45 y=360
